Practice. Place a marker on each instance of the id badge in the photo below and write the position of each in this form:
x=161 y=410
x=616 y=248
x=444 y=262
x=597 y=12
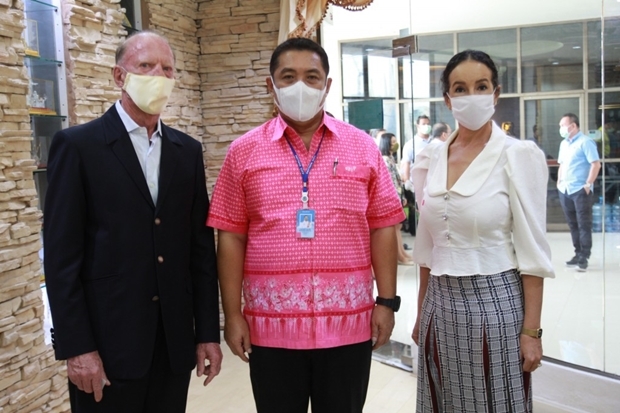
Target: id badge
x=305 y=223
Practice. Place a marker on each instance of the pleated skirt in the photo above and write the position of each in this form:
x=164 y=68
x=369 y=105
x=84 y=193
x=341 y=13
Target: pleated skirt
x=469 y=354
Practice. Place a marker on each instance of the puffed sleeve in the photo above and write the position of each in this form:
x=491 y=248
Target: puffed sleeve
x=423 y=245
x=528 y=174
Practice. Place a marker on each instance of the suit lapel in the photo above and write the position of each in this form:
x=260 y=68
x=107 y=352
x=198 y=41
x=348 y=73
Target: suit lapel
x=117 y=137
x=170 y=155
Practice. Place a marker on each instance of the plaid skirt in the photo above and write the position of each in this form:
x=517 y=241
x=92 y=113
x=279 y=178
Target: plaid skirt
x=469 y=355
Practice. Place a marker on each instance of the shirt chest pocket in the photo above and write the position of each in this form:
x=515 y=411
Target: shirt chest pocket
x=349 y=188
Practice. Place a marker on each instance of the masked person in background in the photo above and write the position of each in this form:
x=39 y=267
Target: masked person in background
x=411 y=149
x=414 y=146
x=130 y=264
x=482 y=252
x=394 y=148
x=310 y=321
x=579 y=166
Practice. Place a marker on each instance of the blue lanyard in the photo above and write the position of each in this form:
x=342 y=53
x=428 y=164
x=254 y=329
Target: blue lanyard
x=306 y=173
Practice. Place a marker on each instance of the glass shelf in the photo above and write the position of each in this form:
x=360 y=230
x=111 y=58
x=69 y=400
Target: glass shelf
x=39 y=6
x=47 y=96
x=41 y=61
x=41 y=115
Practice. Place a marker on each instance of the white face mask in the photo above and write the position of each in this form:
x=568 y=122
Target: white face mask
x=424 y=129
x=564 y=132
x=473 y=111
x=299 y=101
x=149 y=93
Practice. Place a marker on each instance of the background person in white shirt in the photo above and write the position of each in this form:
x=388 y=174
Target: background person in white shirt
x=482 y=252
x=411 y=149
x=441 y=132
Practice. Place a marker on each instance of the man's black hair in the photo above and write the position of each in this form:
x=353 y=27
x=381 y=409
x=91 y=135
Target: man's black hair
x=572 y=117
x=299 y=44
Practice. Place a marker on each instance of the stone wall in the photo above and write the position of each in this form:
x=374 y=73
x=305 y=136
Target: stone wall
x=176 y=20
x=236 y=40
x=222 y=50
x=92 y=32
x=30 y=379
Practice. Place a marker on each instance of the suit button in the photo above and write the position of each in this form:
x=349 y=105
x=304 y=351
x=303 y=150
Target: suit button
x=155 y=298
x=160 y=259
x=157 y=221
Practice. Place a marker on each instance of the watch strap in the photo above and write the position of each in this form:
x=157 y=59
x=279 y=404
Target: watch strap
x=536 y=333
x=393 y=303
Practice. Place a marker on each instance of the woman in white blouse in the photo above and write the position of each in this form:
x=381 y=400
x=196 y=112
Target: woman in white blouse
x=482 y=252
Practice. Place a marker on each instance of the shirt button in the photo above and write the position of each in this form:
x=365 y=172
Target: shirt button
x=155 y=298
x=157 y=221
x=160 y=259
x=446 y=197
x=445 y=217
x=447 y=236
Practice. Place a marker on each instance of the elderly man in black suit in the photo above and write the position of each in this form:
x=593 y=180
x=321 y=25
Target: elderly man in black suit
x=129 y=262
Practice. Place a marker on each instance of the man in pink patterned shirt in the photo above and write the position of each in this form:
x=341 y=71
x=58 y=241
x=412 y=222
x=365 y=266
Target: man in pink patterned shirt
x=305 y=211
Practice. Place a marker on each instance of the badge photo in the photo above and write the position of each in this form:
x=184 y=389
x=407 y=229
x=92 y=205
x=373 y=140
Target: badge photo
x=305 y=223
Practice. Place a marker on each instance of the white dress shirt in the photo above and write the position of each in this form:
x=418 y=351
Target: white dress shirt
x=493 y=219
x=147 y=149
x=419 y=144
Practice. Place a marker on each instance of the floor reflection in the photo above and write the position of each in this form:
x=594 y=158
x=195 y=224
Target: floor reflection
x=581 y=311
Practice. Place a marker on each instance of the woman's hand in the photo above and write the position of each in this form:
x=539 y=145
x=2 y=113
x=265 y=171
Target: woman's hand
x=415 y=334
x=531 y=352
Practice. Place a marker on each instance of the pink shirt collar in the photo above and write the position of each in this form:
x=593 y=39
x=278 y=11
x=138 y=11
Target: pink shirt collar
x=280 y=126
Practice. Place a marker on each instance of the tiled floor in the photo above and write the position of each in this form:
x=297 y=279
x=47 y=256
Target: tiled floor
x=391 y=390
x=581 y=318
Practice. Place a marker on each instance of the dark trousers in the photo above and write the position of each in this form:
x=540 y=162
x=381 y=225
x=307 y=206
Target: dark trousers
x=411 y=221
x=577 y=208
x=160 y=391
x=334 y=379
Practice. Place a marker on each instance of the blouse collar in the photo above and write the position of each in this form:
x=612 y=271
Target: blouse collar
x=476 y=173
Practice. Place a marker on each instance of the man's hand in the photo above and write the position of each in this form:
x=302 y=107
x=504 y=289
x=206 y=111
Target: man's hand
x=213 y=353
x=237 y=336
x=86 y=372
x=382 y=325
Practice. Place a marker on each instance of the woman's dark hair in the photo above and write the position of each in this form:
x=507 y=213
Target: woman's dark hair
x=299 y=44
x=385 y=144
x=463 y=56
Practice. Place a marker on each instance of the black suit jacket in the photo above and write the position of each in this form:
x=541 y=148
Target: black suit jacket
x=114 y=261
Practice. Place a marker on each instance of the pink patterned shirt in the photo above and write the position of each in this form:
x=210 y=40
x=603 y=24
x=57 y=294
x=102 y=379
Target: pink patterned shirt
x=306 y=293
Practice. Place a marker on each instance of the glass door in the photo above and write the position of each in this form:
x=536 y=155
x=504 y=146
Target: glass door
x=541 y=118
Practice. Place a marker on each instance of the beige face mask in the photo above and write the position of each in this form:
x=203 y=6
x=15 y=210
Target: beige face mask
x=149 y=93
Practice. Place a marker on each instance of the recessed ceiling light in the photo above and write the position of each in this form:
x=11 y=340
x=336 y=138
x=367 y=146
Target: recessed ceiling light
x=557 y=63
x=579 y=47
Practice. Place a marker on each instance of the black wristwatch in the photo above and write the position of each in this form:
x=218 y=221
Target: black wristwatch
x=393 y=303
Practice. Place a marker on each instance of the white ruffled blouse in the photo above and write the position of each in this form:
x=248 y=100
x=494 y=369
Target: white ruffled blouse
x=492 y=219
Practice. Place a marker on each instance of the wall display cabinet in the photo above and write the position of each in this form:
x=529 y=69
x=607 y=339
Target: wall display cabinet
x=47 y=92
